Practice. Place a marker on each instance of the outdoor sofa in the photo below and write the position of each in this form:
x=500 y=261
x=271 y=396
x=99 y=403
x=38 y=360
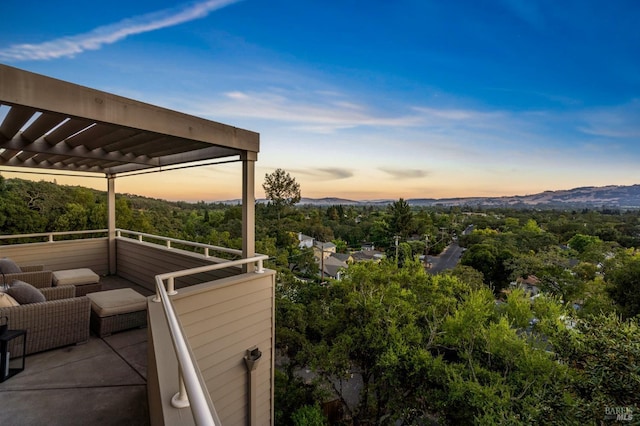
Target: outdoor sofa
x=61 y=320
x=35 y=275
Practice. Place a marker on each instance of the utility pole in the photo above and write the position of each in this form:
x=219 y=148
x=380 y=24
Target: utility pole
x=397 y=260
x=321 y=263
x=426 y=250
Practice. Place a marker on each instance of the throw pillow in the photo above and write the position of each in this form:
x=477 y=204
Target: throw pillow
x=7 y=301
x=25 y=293
x=8 y=266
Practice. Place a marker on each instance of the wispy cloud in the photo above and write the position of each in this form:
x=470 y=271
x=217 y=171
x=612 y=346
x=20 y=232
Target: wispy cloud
x=452 y=131
x=405 y=173
x=93 y=40
x=324 y=113
x=337 y=173
x=327 y=173
x=618 y=122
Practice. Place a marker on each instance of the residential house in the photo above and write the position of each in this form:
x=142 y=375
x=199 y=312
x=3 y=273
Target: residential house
x=323 y=250
x=367 y=247
x=344 y=257
x=333 y=267
x=305 y=241
x=530 y=285
x=364 y=255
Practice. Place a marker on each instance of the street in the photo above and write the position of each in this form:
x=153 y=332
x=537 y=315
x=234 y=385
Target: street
x=448 y=259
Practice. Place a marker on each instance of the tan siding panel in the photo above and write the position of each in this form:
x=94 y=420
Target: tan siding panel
x=141 y=262
x=230 y=322
x=222 y=320
x=226 y=396
x=195 y=316
x=228 y=302
x=224 y=370
x=226 y=378
x=252 y=334
x=58 y=255
x=222 y=296
x=235 y=417
x=264 y=408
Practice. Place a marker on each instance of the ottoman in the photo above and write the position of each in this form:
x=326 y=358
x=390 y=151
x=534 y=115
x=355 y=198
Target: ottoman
x=117 y=310
x=84 y=279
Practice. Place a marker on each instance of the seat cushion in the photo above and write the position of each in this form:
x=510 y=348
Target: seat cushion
x=120 y=301
x=75 y=277
x=7 y=301
x=25 y=293
x=8 y=266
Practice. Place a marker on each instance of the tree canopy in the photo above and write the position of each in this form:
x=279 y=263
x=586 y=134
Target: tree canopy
x=281 y=189
x=391 y=343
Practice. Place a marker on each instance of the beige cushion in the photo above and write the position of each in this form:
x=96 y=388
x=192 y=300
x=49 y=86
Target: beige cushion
x=120 y=301
x=7 y=301
x=75 y=277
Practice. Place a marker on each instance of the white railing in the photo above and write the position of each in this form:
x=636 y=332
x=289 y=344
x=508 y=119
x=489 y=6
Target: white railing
x=168 y=241
x=51 y=235
x=122 y=233
x=191 y=391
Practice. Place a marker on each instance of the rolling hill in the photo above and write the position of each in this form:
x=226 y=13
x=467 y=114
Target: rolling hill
x=613 y=196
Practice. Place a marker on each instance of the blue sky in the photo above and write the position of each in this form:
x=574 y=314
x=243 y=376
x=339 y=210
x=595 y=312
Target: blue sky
x=366 y=100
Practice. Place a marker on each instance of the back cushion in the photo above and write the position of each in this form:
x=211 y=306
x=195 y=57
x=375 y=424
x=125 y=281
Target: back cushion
x=8 y=266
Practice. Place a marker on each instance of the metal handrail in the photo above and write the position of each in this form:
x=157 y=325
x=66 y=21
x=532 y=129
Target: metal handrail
x=189 y=379
x=170 y=240
x=186 y=368
x=51 y=235
x=120 y=232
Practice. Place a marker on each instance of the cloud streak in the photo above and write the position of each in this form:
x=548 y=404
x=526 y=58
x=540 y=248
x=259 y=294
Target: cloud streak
x=620 y=122
x=326 y=113
x=327 y=173
x=109 y=34
x=405 y=173
x=447 y=131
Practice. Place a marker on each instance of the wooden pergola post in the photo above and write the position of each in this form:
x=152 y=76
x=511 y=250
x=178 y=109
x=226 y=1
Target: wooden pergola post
x=111 y=222
x=248 y=207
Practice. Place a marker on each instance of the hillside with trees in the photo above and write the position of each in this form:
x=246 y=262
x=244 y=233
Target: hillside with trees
x=392 y=343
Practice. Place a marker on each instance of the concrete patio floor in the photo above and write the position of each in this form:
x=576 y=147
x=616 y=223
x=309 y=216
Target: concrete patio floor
x=101 y=382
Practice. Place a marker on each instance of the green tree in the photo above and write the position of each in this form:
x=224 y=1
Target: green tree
x=341 y=245
x=581 y=242
x=308 y=415
x=603 y=353
x=74 y=218
x=624 y=278
x=400 y=218
x=281 y=190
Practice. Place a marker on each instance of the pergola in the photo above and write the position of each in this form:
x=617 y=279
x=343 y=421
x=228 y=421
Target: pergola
x=56 y=125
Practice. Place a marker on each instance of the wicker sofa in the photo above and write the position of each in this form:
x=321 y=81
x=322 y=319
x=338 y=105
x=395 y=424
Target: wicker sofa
x=62 y=320
x=35 y=275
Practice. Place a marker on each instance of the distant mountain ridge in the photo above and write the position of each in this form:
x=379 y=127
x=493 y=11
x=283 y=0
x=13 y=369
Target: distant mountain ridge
x=612 y=196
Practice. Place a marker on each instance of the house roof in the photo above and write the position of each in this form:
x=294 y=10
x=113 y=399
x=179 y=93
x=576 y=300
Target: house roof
x=341 y=256
x=333 y=265
x=366 y=255
x=52 y=124
x=530 y=280
x=324 y=246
